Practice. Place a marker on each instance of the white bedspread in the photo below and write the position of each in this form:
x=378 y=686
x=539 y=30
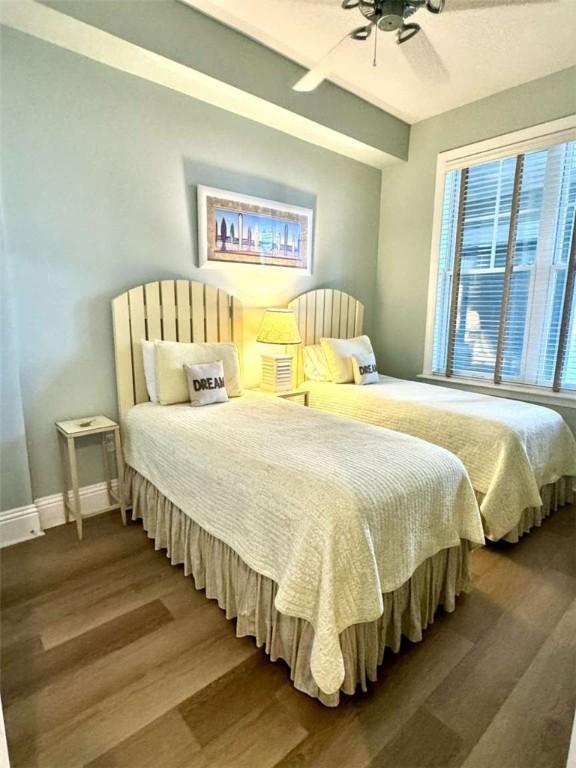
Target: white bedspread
x=510 y=448
x=335 y=512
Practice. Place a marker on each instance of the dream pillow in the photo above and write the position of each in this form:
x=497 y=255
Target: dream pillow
x=365 y=370
x=172 y=356
x=339 y=353
x=315 y=364
x=206 y=383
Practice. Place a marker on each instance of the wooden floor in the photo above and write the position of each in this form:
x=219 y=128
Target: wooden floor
x=111 y=658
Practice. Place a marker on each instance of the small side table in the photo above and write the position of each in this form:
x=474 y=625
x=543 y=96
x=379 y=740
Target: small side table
x=68 y=433
x=292 y=394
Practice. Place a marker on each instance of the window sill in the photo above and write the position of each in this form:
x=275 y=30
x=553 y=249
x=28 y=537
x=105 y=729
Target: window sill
x=514 y=391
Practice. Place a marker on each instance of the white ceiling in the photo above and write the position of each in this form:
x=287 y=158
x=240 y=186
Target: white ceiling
x=463 y=56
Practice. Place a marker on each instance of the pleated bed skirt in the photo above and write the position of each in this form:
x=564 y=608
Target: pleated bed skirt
x=554 y=495
x=249 y=597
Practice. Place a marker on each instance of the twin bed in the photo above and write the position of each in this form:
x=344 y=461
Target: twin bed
x=521 y=458
x=327 y=539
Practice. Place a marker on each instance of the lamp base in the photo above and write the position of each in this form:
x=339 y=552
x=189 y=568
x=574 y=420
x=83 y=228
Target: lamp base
x=276 y=373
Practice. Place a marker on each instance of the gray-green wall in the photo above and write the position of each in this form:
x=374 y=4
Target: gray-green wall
x=407 y=209
x=98 y=184
x=15 y=488
x=181 y=33
x=99 y=170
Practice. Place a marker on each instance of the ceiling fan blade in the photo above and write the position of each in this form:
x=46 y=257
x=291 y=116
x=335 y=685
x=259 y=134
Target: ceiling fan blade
x=424 y=58
x=312 y=79
x=475 y=5
x=320 y=71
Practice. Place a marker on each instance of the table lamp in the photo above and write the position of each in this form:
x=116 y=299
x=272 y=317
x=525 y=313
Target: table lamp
x=278 y=326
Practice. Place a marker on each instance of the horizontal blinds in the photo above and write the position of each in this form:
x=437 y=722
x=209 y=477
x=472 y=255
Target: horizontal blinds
x=565 y=369
x=456 y=271
x=450 y=209
x=507 y=327
x=505 y=308
x=523 y=326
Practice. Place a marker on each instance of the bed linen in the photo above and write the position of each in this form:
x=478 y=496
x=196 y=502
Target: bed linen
x=292 y=492
x=248 y=597
x=521 y=457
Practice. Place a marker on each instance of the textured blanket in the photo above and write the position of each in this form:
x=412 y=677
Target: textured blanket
x=335 y=512
x=510 y=448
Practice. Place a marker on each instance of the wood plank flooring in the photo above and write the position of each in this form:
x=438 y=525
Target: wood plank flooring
x=111 y=659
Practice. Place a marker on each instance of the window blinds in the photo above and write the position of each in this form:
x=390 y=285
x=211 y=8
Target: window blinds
x=505 y=308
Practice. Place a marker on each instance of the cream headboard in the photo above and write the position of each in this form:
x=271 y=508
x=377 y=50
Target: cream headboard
x=325 y=312
x=174 y=310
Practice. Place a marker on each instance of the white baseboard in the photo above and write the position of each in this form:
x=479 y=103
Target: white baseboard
x=19 y=524
x=24 y=523
x=51 y=508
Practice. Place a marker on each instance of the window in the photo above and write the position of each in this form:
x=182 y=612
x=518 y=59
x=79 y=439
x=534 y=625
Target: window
x=505 y=309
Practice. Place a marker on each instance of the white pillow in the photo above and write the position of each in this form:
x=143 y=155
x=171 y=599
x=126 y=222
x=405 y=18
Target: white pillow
x=339 y=352
x=315 y=365
x=171 y=356
x=206 y=383
x=365 y=370
x=149 y=361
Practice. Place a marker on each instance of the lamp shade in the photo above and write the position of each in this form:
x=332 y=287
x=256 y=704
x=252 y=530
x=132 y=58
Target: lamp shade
x=278 y=326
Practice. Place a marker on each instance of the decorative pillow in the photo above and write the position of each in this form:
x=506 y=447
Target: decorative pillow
x=206 y=383
x=315 y=365
x=149 y=361
x=171 y=356
x=339 y=352
x=365 y=370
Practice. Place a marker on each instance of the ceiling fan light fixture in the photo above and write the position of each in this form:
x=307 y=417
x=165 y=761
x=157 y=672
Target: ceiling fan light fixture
x=435 y=6
x=388 y=15
x=390 y=22
x=362 y=33
x=407 y=32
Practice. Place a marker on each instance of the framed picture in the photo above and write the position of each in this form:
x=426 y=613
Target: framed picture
x=240 y=229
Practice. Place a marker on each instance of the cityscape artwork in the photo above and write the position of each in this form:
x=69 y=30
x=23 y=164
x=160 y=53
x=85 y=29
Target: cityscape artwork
x=242 y=229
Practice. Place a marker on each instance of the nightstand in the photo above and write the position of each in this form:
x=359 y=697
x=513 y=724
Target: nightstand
x=293 y=394
x=70 y=431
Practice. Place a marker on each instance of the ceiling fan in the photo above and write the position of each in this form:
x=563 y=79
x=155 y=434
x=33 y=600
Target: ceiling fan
x=396 y=16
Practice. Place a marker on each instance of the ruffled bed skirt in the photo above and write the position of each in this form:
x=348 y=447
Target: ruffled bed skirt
x=554 y=495
x=249 y=597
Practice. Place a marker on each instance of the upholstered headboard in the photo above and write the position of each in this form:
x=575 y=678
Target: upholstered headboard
x=325 y=312
x=174 y=310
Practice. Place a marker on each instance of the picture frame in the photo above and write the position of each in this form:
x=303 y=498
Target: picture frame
x=241 y=230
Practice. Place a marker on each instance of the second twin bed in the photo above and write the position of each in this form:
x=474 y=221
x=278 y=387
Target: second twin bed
x=521 y=458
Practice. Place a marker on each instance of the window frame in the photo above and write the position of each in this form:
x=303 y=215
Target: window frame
x=531 y=139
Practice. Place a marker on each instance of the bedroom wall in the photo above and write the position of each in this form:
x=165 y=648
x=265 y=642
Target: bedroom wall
x=407 y=209
x=99 y=174
x=166 y=27
x=15 y=489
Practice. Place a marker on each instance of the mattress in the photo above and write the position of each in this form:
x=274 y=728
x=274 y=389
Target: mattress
x=335 y=513
x=511 y=449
